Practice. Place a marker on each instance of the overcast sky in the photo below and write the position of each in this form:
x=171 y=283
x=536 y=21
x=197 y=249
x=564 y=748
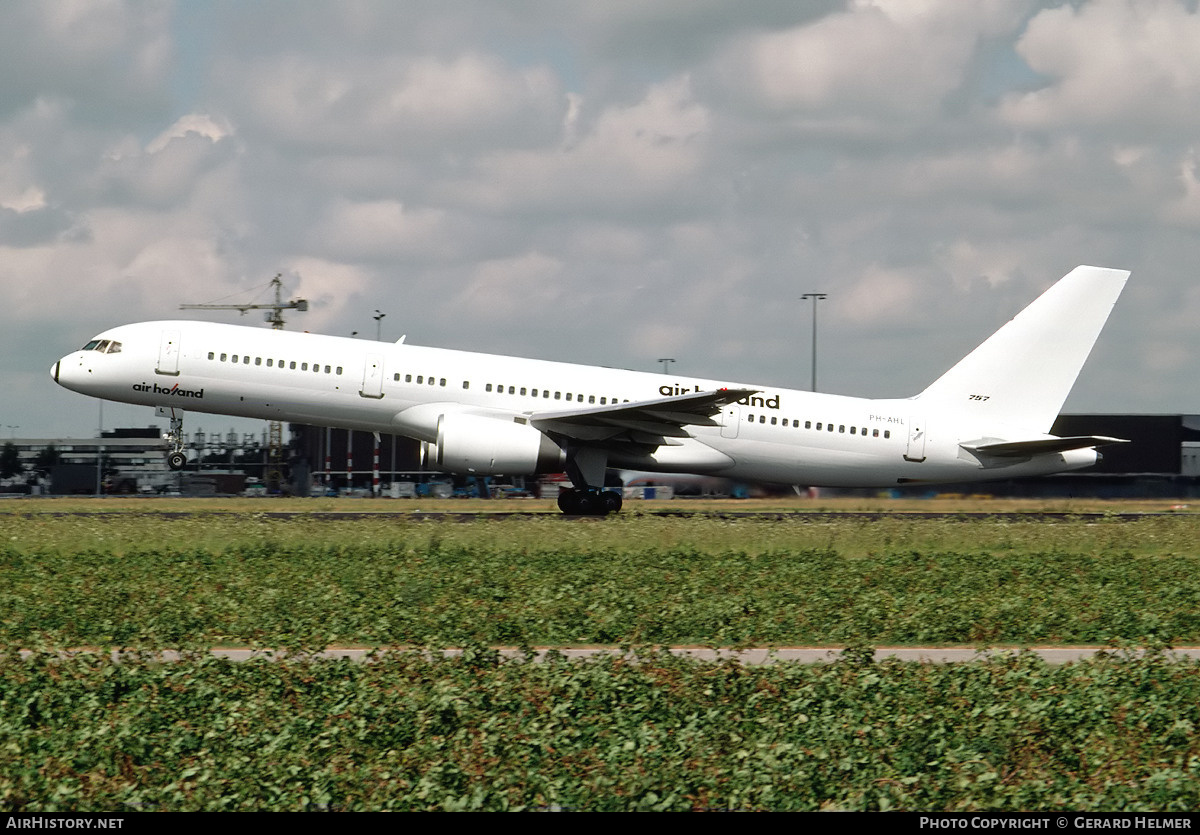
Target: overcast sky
x=605 y=182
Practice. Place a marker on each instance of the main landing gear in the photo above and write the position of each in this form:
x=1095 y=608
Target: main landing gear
x=585 y=468
x=576 y=502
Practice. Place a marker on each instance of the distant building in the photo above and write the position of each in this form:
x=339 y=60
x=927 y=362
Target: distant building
x=1162 y=459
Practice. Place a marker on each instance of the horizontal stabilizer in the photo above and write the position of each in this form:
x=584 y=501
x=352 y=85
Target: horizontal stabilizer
x=1041 y=446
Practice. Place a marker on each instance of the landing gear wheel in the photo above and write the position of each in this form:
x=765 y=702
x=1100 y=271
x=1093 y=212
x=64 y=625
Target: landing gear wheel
x=611 y=500
x=565 y=499
x=176 y=460
x=589 y=502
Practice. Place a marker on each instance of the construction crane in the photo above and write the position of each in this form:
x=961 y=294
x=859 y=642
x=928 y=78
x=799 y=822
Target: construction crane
x=275 y=316
x=274 y=475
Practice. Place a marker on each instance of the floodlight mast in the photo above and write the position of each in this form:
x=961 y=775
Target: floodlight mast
x=274 y=477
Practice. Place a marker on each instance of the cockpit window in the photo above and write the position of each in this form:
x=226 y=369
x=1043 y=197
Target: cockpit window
x=104 y=346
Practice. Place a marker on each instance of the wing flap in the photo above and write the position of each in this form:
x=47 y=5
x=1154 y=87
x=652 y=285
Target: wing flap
x=643 y=422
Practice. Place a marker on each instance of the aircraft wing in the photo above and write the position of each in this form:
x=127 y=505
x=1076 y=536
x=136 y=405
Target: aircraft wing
x=1041 y=446
x=652 y=422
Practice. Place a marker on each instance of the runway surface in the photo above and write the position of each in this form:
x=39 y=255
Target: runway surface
x=417 y=515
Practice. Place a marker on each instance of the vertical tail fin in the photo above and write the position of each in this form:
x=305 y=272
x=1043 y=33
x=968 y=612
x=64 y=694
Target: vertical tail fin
x=1023 y=373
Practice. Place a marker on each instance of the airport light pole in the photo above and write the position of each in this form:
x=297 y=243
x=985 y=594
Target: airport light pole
x=378 y=317
x=666 y=361
x=816 y=297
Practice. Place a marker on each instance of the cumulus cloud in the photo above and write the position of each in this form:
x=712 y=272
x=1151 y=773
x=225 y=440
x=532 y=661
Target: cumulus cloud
x=1130 y=65
x=649 y=151
x=611 y=183
x=409 y=104
x=877 y=62
x=506 y=289
x=381 y=229
x=109 y=57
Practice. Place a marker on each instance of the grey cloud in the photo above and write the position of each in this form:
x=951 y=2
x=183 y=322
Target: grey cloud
x=597 y=183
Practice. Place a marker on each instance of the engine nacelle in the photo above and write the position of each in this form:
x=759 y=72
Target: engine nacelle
x=481 y=445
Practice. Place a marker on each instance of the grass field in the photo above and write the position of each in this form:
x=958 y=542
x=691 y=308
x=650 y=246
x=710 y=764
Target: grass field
x=412 y=731
x=185 y=572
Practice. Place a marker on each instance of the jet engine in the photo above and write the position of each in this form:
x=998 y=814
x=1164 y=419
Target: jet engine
x=481 y=445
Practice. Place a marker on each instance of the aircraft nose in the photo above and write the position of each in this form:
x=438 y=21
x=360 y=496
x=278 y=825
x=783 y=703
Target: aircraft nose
x=66 y=372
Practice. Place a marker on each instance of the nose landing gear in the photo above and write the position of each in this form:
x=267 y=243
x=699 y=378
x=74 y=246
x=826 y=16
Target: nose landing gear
x=176 y=458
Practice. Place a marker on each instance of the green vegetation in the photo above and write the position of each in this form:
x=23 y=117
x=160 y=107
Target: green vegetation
x=410 y=732
x=414 y=730
x=150 y=581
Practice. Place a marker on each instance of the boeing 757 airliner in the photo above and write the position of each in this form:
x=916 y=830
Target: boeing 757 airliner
x=988 y=417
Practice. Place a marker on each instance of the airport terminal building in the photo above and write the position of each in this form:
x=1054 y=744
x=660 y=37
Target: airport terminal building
x=1162 y=459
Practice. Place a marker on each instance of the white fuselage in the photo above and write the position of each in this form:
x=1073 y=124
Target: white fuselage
x=777 y=435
